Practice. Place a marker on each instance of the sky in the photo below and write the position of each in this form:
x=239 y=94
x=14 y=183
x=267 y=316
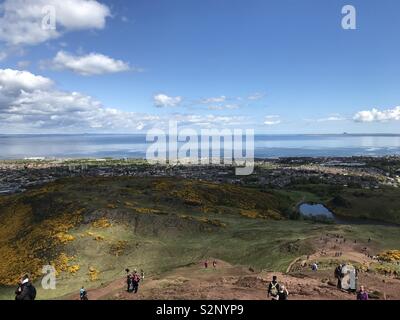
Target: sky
x=275 y=66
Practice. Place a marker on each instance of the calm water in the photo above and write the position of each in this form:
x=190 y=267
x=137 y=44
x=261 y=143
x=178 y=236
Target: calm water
x=315 y=210
x=119 y=146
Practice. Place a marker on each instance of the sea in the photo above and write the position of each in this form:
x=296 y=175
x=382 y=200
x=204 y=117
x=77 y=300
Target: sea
x=20 y=146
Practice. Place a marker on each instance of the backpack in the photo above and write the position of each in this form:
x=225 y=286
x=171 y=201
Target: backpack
x=32 y=292
x=274 y=289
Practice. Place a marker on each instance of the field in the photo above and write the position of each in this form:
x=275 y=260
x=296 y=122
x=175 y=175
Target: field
x=91 y=229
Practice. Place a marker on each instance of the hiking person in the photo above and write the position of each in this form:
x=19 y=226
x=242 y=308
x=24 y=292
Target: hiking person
x=338 y=276
x=206 y=264
x=283 y=293
x=214 y=264
x=135 y=281
x=83 y=294
x=273 y=289
x=25 y=290
x=314 y=267
x=362 y=294
x=128 y=280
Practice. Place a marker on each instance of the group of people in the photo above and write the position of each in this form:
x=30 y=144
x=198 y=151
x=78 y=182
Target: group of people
x=277 y=291
x=132 y=280
x=214 y=263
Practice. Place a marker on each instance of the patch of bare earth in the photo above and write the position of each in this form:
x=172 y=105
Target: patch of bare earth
x=235 y=282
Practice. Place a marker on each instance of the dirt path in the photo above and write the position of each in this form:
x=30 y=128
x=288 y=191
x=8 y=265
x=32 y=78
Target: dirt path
x=237 y=282
x=234 y=282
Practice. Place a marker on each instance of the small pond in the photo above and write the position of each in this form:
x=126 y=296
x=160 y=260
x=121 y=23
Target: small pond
x=320 y=211
x=316 y=210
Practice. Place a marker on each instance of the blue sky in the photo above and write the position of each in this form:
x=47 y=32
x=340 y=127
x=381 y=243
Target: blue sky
x=278 y=66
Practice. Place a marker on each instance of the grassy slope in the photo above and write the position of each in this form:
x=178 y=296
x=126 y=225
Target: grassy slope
x=55 y=224
x=381 y=204
x=157 y=225
x=378 y=204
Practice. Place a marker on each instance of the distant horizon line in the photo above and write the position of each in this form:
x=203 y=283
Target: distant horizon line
x=256 y=134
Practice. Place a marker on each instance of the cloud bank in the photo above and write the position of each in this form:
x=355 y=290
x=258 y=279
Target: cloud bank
x=376 y=115
x=32 y=103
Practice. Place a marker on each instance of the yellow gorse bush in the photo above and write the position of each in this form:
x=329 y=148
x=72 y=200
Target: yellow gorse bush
x=93 y=274
x=27 y=245
x=390 y=256
x=101 y=223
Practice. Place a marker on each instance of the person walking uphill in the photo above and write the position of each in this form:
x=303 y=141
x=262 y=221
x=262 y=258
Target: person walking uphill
x=338 y=275
x=26 y=290
x=273 y=289
x=83 y=294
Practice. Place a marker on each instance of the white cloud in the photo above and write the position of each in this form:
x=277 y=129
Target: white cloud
x=272 y=120
x=21 y=20
x=256 y=96
x=213 y=100
x=376 y=115
x=14 y=80
x=224 y=107
x=31 y=102
x=90 y=64
x=162 y=100
x=330 y=118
